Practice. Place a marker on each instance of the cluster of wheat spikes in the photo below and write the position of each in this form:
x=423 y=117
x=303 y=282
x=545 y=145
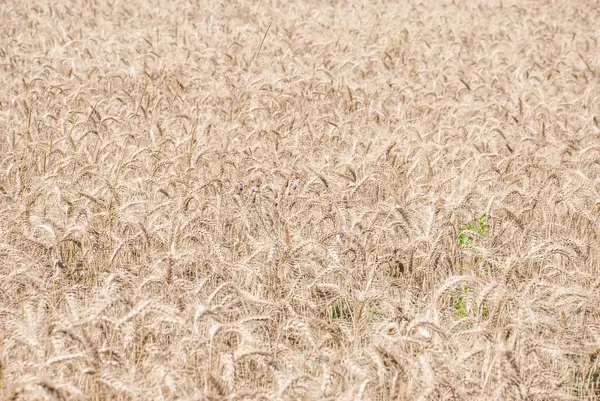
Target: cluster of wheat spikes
x=206 y=200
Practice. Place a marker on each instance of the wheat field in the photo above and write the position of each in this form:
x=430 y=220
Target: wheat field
x=299 y=200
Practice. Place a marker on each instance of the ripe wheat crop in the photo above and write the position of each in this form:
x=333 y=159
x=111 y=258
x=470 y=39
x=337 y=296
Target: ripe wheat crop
x=299 y=200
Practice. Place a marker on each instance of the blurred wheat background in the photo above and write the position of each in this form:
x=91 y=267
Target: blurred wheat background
x=299 y=200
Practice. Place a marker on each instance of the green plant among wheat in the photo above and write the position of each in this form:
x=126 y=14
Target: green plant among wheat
x=469 y=235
